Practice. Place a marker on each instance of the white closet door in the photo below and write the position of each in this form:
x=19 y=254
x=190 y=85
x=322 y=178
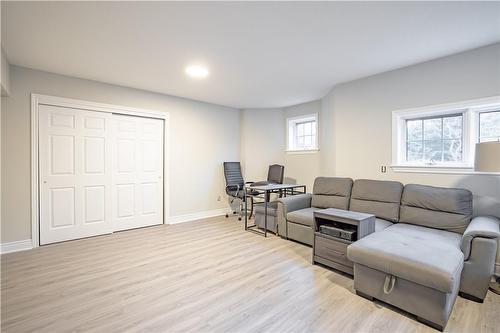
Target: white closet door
x=75 y=173
x=137 y=172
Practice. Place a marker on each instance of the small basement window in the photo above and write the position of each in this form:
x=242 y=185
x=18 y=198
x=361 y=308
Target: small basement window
x=302 y=133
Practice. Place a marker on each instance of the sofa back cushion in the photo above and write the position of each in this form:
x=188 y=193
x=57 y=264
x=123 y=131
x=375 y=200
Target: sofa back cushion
x=436 y=207
x=377 y=197
x=331 y=192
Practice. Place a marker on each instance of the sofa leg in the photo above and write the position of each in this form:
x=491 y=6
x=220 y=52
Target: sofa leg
x=470 y=297
x=430 y=323
x=368 y=297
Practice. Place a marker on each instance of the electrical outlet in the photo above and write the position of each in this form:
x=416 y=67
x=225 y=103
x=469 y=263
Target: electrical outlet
x=383 y=169
x=218 y=198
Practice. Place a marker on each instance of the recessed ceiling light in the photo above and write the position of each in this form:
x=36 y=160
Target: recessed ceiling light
x=197 y=72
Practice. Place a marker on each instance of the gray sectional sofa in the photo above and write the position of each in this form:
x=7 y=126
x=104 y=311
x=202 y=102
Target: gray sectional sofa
x=426 y=248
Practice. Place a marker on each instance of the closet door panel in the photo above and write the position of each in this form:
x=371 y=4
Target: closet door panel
x=75 y=173
x=137 y=172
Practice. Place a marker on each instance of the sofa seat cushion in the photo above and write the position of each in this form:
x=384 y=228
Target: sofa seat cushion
x=426 y=256
x=381 y=224
x=303 y=216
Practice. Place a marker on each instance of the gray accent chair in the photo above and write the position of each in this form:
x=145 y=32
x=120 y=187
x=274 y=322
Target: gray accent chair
x=272 y=219
x=421 y=263
x=295 y=213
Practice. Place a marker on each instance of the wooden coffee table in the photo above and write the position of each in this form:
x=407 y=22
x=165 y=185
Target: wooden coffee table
x=332 y=251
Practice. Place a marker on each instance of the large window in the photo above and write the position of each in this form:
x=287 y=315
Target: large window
x=444 y=136
x=302 y=133
x=435 y=139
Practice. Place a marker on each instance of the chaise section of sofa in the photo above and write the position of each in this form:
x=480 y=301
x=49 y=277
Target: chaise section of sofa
x=421 y=263
x=451 y=210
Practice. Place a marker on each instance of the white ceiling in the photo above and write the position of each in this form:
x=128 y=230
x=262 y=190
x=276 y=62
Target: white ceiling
x=259 y=54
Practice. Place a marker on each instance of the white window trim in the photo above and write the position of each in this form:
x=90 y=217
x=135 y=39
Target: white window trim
x=305 y=117
x=470 y=110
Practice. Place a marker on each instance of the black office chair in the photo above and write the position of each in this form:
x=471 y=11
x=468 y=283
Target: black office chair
x=235 y=186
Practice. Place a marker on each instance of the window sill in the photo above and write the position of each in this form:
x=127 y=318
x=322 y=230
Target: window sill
x=440 y=170
x=302 y=151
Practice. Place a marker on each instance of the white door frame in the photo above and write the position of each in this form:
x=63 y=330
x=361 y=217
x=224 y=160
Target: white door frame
x=38 y=99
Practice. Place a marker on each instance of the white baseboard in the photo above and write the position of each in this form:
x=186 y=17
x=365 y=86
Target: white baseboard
x=198 y=215
x=28 y=245
x=16 y=246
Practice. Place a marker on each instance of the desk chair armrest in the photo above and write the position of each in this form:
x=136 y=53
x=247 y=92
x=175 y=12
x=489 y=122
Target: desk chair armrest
x=230 y=188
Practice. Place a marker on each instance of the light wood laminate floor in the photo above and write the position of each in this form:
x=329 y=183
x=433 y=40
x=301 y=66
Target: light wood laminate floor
x=199 y=276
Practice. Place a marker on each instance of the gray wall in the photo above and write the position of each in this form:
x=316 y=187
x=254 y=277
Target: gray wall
x=262 y=141
x=303 y=167
x=202 y=137
x=263 y=138
x=5 y=74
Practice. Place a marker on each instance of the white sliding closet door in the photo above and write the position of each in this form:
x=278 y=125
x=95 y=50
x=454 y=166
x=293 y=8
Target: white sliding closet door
x=75 y=173
x=137 y=172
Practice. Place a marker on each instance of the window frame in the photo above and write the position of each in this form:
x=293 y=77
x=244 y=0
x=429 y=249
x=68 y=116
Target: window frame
x=291 y=135
x=479 y=113
x=441 y=117
x=470 y=111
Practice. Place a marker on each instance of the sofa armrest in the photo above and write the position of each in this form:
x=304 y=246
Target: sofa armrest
x=480 y=226
x=290 y=204
x=296 y=202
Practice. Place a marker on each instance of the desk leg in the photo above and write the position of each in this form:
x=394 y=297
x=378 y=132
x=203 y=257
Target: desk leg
x=265 y=213
x=246 y=218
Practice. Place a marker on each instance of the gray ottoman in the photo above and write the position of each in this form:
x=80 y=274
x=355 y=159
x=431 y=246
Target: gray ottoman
x=411 y=267
x=272 y=220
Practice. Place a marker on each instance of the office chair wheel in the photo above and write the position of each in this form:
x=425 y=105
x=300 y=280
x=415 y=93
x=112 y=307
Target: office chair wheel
x=227 y=215
x=239 y=218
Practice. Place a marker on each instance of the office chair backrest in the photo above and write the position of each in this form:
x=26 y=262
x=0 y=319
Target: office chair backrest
x=232 y=172
x=275 y=173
